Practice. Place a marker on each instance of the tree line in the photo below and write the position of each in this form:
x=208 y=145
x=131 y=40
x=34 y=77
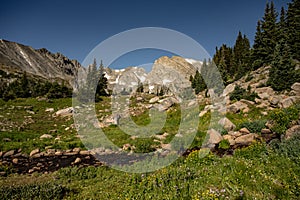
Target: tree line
x=276 y=44
x=26 y=86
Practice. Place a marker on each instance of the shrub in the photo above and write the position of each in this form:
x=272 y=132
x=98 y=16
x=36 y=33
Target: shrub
x=240 y=93
x=224 y=144
x=283 y=118
x=254 y=126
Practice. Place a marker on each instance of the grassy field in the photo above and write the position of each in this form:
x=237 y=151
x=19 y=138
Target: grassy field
x=261 y=171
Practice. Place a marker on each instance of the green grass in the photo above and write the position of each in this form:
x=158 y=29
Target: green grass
x=260 y=171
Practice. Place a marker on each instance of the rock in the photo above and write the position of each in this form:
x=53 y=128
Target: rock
x=244 y=131
x=228 y=89
x=285 y=103
x=9 y=153
x=226 y=124
x=294 y=130
x=84 y=153
x=33 y=152
x=15 y=160
x=139 y=99
x=46 y=136
x=166 y=146
x=30 y=112
x=126 y=147
x=6 y=140
x=274 y=100
x=77 y=161
x=230 y=139
x=235 y=134
x=266 y=131
x=214 y=138
x=165 y=104
x=1 y=154
x=30 y=171
x=154 y=100
x=77 y=149
x=58 y=153
x=296 y=88
x=51 y=151
x=245 y=140
x=49 y=110
x=202 y=113
x=247 y=102
x=65 y=112
x=237 y=107
x=264 y=92
x=53 y=131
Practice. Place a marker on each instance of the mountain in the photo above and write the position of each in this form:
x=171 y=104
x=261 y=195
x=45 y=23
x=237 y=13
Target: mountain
x=18 y=58
x=42 y=64
x=166 y=71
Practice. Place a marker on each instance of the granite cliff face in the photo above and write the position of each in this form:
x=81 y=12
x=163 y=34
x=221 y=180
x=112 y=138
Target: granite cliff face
x=18 y=58
x=166 y=72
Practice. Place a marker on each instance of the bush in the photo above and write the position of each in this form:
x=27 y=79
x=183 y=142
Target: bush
x=254 y=126
x=282 y=118
x=224 y=144
x=240 y=93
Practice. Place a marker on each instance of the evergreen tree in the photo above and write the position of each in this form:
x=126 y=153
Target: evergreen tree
x=293 y=30
x=282 y=73
x=102 y=82
x=258 y=49
x=269 y=33
x=241 y=52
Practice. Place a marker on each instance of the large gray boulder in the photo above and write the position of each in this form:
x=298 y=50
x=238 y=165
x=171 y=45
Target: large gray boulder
x=226 y=124
x=294 y=130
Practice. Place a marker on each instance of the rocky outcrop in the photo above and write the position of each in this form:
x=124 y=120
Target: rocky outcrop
x=18 y=58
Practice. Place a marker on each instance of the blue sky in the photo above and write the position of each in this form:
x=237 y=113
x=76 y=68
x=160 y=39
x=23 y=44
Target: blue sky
x=74 y=28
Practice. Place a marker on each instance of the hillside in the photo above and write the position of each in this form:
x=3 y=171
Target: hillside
x=18 y=58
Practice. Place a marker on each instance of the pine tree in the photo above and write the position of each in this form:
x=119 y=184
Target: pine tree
x=258 y=48
x=282 y=73
x=293 y=24
x=241 y=51
x=269 y=33
x=102 y=82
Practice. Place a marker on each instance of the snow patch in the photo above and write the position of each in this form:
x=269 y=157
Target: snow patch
x=26 y=57
x=165 y=81
x=192 y=61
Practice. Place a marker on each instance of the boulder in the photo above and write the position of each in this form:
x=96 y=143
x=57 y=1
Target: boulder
x=214 y=138
x=226 y=124
x=285 y=103
x=9 y=153
x=77 y=161
x=33 y=152
x=266 y=131
x=264 y=92
x=228 y=89
x=245 y=140
x=294 y=130
x=49 y=110
x=202 y=113
x=274 y=100
x=154 y=100
x=296 y=88
x=235 y=134
x=230 y=139
x=15 y=160
x=237 y=107
x=46 y=136
x=244 y=131
x=65 y=112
